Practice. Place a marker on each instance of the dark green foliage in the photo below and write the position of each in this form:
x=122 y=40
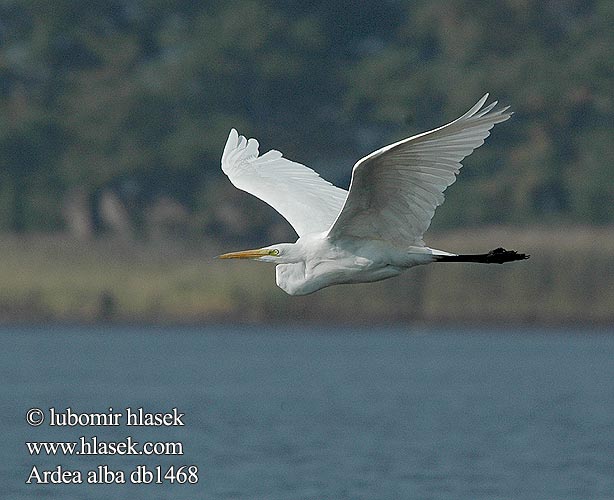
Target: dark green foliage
x=136 y=97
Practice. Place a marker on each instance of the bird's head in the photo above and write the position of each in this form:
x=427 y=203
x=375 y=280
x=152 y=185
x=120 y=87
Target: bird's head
x=279 y=254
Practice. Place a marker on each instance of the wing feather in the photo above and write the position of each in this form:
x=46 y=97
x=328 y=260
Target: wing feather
x=308 y=202
x=395 y=190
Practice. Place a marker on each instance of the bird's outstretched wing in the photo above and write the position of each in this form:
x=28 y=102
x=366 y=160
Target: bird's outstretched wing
x=308 y=202
x=395 y=190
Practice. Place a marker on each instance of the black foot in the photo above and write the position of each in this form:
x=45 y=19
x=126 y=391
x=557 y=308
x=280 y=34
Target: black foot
x=497 y=256
x=501 y=255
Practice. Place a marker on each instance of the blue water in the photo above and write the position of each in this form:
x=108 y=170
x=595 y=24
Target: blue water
x=284 y=413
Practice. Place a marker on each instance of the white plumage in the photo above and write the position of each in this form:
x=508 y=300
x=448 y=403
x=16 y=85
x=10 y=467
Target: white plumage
x=308 y=202
x=375 y=230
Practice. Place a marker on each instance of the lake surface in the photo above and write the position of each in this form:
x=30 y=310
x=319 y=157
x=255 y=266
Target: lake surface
x=314 y=414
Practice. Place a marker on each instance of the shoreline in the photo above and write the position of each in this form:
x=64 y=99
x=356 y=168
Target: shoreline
x=53 y=279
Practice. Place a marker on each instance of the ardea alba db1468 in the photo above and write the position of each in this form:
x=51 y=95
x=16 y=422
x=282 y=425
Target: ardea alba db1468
x=373 y=231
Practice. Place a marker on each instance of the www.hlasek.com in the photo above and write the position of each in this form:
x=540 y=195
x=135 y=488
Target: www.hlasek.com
x=104 y=473
x=93 y=446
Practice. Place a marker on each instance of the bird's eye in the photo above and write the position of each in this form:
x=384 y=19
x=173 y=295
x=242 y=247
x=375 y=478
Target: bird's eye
x=274 y=252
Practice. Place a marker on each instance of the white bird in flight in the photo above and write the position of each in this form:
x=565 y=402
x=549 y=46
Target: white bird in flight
x=373 y=231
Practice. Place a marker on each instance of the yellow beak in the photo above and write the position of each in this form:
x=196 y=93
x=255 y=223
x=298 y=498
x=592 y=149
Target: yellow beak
x=246 y=254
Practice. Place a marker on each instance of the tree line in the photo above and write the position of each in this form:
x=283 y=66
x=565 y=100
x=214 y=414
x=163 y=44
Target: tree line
x=113 y=115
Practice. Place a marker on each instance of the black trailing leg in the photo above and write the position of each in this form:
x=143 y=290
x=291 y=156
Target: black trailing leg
x=497 y=256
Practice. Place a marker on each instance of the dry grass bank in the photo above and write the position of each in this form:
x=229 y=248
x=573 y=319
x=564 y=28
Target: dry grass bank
x=569 y=278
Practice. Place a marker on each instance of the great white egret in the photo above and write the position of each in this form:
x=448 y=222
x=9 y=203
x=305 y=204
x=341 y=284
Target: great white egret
x=373 y=231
